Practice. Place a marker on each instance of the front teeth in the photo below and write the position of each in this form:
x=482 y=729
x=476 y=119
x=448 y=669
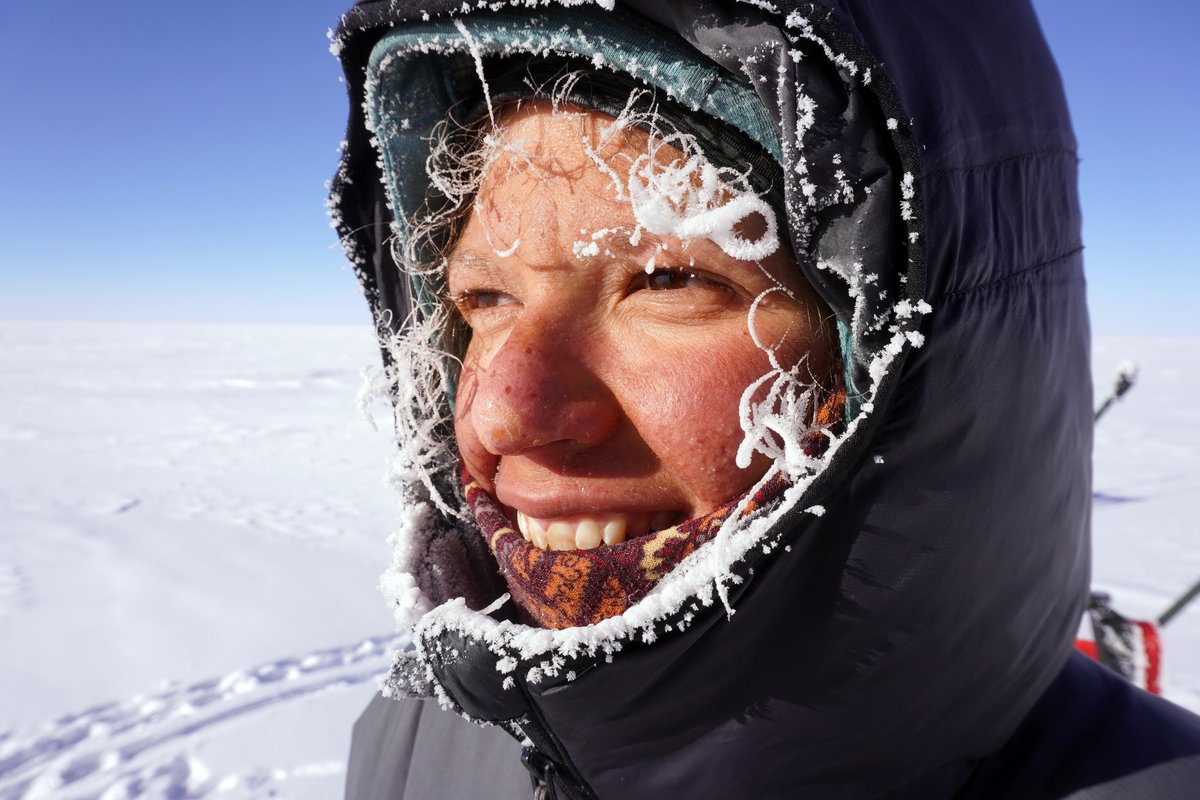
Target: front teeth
x=560 y=536
x=587 y=533
x=532 y=530
x=614 y=530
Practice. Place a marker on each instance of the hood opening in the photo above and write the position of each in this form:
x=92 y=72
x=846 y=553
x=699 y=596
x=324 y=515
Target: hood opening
x=839 y=179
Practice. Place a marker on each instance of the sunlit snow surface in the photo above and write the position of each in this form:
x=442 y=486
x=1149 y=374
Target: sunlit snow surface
x=193 y=523
x=193 y=527
x=1146 y=494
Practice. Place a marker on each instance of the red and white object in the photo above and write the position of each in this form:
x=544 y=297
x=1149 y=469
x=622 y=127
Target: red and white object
x=1131 y=648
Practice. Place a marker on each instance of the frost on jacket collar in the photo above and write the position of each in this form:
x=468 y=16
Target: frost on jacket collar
x=909 y=601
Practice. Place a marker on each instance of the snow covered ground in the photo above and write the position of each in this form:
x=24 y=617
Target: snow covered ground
x=193 y=523
x=1146 y=491
x=193 y=528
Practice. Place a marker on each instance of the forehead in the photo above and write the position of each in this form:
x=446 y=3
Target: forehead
x=564 y=140
x=556 y=174
x=552 y=172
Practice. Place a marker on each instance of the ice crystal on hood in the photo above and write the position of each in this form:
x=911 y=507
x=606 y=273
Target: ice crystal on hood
x=335 y=44
x=607 y=5
x=908 y=193
x=409 y=603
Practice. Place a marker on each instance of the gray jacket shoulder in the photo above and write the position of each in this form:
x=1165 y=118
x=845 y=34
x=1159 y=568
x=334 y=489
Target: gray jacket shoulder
x=413 y=750
x=1172 y=779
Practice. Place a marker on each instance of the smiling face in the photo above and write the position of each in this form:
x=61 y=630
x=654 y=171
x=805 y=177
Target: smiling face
x=598 y=398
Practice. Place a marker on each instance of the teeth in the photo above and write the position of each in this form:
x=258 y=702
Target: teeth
x=587 y=533
x=614 y=531
x=537 y=534
x=532 y=530
x=560 y=536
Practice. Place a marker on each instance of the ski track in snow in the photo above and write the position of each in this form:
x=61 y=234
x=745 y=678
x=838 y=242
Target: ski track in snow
x=132 y=748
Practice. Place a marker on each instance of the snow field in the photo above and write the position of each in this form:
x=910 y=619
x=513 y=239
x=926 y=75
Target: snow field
x=193 y=522
x=178 y=503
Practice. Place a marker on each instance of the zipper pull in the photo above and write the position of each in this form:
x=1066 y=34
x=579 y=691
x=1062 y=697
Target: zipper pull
x=541 y=771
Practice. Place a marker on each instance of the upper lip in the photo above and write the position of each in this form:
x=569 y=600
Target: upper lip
x=558 y=506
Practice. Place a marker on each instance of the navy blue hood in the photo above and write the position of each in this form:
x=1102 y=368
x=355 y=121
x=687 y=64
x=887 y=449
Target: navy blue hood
x=908 y=604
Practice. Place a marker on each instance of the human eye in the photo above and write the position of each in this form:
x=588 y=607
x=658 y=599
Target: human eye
x=662 y=280
x=480 y=291
x=480 y=299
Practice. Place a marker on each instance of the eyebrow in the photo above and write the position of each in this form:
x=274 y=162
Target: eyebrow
x=477 y=264
x=646 y=241
x=485 y=264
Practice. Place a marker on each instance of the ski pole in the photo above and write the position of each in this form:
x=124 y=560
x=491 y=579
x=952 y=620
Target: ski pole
x=1179 y=604
x=1126 y=378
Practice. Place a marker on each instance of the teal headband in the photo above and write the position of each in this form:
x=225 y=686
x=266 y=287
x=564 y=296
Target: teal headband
x=420 y=74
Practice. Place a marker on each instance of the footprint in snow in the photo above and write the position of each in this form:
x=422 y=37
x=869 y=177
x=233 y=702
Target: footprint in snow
x=131 y=749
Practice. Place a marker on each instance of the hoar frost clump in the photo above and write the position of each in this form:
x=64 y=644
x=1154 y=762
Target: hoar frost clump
x=686 y=197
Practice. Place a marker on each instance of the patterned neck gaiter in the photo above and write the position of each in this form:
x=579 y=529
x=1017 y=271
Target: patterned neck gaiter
x=568 y=588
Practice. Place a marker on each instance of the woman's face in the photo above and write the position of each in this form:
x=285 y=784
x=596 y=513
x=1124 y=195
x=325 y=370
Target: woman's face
x=598 y=398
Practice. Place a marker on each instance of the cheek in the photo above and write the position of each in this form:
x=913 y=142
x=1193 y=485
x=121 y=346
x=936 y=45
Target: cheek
x=685 y=405
x=687 y=412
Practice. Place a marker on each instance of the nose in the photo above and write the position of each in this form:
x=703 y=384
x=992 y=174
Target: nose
x=539 y=389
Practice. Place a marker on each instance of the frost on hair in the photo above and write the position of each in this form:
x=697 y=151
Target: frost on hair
x=777 y=424
x=673 y=190
x=424 y=351
x=414 y=383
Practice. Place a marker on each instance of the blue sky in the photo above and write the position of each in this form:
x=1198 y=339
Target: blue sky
x=1132 y=77
x=167 y=160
